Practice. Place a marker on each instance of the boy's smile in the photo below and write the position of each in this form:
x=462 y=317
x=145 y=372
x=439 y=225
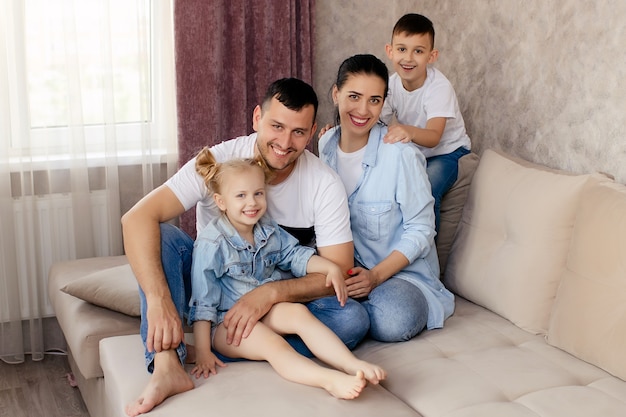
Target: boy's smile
x=410 y=56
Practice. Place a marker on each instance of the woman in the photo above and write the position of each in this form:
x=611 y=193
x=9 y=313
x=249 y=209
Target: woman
x=396 y=276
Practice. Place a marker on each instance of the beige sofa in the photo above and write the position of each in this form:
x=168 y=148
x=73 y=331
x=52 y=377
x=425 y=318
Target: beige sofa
x=538 y=266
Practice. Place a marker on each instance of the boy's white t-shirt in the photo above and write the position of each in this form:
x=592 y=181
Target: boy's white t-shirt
x=436 y=98
x=312 y=195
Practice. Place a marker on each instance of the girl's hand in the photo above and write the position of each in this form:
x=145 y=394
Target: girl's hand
x=206 y=365
x=336 y=279
x=360 y=282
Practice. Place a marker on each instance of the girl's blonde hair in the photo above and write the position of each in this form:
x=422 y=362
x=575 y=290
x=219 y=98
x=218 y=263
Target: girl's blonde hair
x=214 y=172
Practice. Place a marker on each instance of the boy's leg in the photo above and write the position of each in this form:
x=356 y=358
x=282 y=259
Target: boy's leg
x=350 y=322
x=176 y=251
x=443 y=171
x=398 y=311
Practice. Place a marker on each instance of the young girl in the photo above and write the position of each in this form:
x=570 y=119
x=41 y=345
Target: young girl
x=241 y=250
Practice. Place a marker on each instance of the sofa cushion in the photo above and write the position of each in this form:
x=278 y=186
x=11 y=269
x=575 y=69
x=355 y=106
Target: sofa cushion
x=589 y=316
x=246 y=388
x=481 y=365
x=113 y=288
x=85 y=324
x=513 y=238
x=452 y=205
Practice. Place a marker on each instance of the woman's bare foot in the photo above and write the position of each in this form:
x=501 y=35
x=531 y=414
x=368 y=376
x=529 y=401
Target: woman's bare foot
x=346 y=387
x=373 y=373
x=169 y=378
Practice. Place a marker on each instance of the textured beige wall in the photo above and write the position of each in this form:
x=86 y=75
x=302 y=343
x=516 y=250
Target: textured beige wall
x=541 y=79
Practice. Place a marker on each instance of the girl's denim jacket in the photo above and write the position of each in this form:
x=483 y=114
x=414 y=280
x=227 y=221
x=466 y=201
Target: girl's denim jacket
x=392 y=208
x=225 y=266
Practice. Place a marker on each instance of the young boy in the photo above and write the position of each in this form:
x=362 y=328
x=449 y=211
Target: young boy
x=424 y=104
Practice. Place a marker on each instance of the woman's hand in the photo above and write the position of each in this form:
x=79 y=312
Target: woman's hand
x=361 y=282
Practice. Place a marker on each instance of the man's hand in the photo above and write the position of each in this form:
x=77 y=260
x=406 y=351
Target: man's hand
x=324 y=129
x=243 y=316
x=360 y=282
x=165 y=330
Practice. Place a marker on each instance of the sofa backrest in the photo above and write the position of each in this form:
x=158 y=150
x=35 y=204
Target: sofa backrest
x=589 y=315
x=452 y=205
x=511 y=244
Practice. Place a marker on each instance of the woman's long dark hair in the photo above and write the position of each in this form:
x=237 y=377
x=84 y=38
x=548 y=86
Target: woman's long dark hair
x=361 y=64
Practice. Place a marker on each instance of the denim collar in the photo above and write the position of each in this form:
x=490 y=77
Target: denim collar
x=374 y=141
x=262 y=231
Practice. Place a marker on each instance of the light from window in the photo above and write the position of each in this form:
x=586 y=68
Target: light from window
x=104 y=44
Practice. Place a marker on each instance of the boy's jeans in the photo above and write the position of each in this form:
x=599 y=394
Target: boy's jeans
x=443 y=171
x=350 y=322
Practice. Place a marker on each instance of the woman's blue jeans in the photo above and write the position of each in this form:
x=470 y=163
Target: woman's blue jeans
x=350 y=322
x=397 y=309
x=443 y=171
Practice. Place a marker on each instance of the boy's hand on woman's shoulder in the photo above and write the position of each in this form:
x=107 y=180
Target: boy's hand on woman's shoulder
x=397 y=133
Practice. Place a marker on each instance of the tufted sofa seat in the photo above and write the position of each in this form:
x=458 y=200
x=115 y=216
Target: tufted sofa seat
x=536 y=263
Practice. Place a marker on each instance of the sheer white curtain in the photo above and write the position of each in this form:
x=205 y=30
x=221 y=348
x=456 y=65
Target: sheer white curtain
x=87 y=89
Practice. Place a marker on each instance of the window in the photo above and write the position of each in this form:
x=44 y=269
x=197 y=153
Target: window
x=103 y=66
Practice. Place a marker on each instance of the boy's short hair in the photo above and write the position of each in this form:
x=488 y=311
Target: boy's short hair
x=415 y=24
x=293 y=93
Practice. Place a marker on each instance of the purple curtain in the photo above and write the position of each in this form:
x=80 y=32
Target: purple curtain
x=227 y=52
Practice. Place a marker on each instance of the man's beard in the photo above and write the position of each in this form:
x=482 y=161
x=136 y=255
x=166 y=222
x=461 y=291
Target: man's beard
x=265 y=157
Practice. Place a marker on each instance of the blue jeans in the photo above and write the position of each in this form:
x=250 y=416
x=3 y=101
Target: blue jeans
x=397 y=309
x=350 y=322
x=443 y=171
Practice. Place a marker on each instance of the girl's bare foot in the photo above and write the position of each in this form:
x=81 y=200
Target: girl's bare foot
x=346 y=387
x=169 y=378
x=373 y=373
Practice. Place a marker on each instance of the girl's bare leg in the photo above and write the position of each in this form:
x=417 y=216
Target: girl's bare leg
x=294 y=318
x=264 y=344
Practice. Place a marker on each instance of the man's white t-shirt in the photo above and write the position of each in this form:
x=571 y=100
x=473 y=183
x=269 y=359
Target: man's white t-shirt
x=312 y=196
x=436 y=98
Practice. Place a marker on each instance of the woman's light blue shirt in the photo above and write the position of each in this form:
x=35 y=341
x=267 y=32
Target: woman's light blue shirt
x=225 y=266
x=392 y=209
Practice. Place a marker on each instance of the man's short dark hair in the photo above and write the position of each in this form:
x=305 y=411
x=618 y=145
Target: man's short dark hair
x=293 y=93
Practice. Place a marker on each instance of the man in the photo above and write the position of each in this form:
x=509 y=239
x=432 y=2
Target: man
x=305 y=197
